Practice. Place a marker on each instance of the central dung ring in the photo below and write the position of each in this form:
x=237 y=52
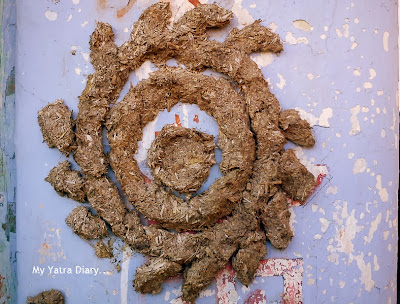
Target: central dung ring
x=164 y=89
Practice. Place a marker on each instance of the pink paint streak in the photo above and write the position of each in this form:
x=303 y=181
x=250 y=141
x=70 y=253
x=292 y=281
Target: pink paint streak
x=256 y=297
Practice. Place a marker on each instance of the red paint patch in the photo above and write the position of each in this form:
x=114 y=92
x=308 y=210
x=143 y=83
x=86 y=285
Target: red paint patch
x=222 y=219
x=146 y=179
x=121 y=13
x=195 y=2
x=156 y=134
x=189 y=232
x=256 y=297
x=196 y=118
x=178 y=120
x=152 y=222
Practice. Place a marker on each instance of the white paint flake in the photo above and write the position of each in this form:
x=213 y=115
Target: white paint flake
x=373 y=228
x=376 y=265
x=241 y=13
x=273 y=27
x=69 y=18
x=178 y=8
x=293 y=40
x=322 y=120
x=367 y=85
x=385 y=41
x=144 y=70
x=360 y=164
x=372 y=74
x=86 y=56
x=357 y=72
x=262 y=59
x=75 y=2
x=382 y=191
x=365 y=268
x=78 y=71
x=346 y=229
x=332 y=190
x=51 y=15
x=282 y=82
x=302 y=25
x=355 y=124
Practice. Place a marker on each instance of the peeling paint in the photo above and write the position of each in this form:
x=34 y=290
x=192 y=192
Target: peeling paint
x=383 y=194
x=292 y=40
x=355 y=124
x=365 y=268
x=242 y=14
x=282 y=82
x=262 y=59
x=385 y=41
x=51 y=15
x=373 y=228
x=302 y=25
x=322 y=120
x=360 y=164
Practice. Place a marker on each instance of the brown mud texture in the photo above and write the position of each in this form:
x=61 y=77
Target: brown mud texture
x=248 y=205
x=51 y=296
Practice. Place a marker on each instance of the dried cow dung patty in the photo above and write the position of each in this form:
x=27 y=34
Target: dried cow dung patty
x=51 y=296
x=181 y=158
x=55 y=121
x=85 y=224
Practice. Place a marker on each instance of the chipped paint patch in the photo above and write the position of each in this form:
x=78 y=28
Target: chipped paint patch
x=332 y=190
x=226 y=289
x=373 y=228
x=262 y=59
x=51 y=15
x=383 y=194
x=302 y=25
x=385 y=41
x=360 y=165
x=282 y=82
x=143 y=72
x=367 y=85
x=179 y=8
x=365 y=268
x=242 y=14
x=346 y=229
x=355 y=124
x=293 y=40
x=322 y=120
x=372 y=74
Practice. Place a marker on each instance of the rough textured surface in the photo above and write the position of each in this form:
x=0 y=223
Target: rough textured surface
x=275 y=217
x=296 y=129
x=104 y=198
x=55 y=121
x=102 y=250
x=255 y=168
x=181 y=158
x=67 y=182
x=247 y=260
x=85 y=224
x=160 y=91
x=150 y=276
x=297 y=181
x=51 y=296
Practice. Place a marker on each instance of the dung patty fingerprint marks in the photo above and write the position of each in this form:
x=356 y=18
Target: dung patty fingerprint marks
x=256 y=170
